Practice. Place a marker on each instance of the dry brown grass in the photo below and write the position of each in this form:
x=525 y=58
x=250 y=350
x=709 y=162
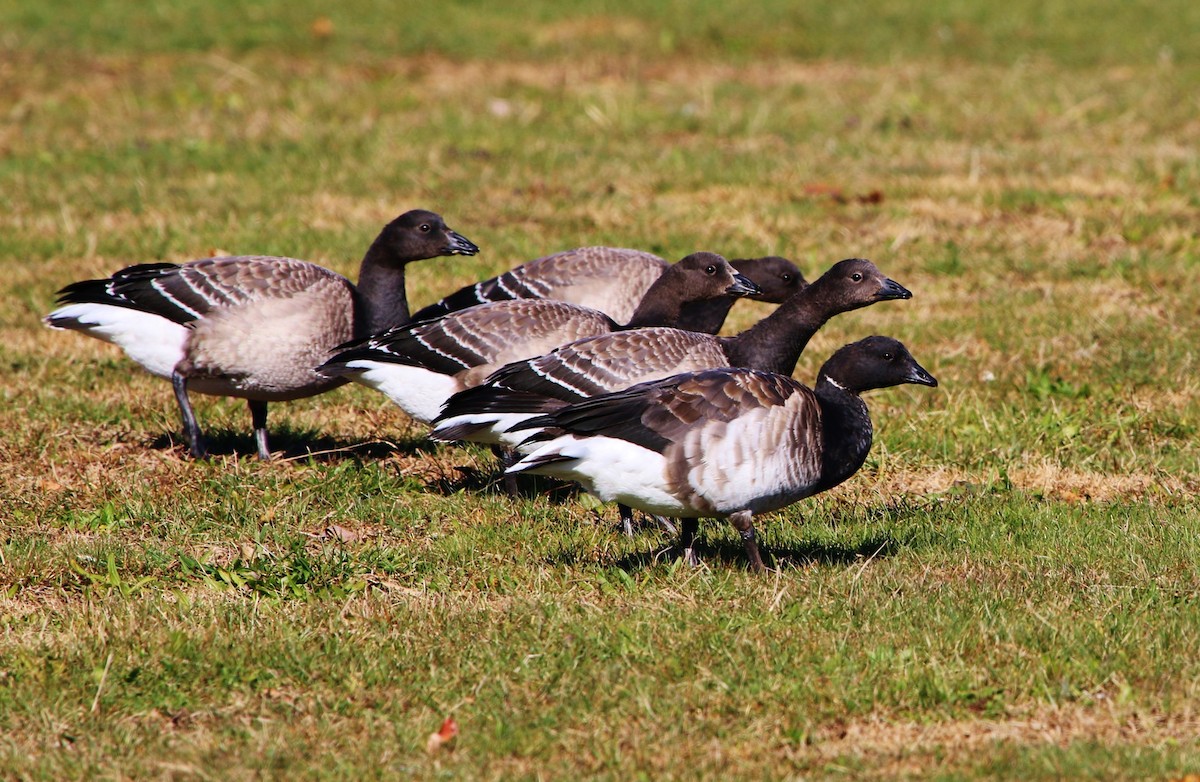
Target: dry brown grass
x=893 y=749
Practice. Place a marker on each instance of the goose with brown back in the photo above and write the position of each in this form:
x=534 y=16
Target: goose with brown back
x=727 y=443
x=253 y=327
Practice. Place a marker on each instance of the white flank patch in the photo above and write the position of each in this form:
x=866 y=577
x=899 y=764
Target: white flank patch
x=151 y=340
x=417 y=391
x=614 y=470
x=493 y=432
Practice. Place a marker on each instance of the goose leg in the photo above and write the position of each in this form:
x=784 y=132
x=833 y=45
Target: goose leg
x=190 y=427
x=743 y=522
x=258 y=414
x=687 y=541
x=507 y=458
x=626 y=515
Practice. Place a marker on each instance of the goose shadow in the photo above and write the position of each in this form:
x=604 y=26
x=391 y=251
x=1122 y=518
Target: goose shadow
x=777 y=557
x=290 y=444
x=488 y=478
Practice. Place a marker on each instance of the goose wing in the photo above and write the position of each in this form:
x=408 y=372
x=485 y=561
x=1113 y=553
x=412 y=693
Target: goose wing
x=610 y=279
x=184 y=293
x=610 y=362
x=484 y=334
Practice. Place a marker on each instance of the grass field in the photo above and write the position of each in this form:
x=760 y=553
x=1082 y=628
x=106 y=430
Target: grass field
x=1008 y=589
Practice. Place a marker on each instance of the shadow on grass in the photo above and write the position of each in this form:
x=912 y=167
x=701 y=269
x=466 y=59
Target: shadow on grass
x=779 y=556
x=287 y=444
x=490 y=479
x=731 y=554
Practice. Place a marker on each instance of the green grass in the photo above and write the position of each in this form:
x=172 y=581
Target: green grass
x=1007 y=589
x=1099 y=33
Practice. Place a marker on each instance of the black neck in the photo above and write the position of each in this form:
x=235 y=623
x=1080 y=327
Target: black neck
x=775 y=343
x=382 y=302
x=705 y=317
x=662 y=302
x=846 y=425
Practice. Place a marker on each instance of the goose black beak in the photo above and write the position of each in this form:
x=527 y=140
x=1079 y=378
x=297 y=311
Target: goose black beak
x=917 y=374
x=743 y=286
x=892 y=290
x=460 y=245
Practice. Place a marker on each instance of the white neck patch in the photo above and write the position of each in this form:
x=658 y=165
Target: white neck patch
x=834 y=383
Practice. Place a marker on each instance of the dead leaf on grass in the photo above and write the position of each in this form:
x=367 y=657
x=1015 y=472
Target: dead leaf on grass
x=322 y=28
x=341 y=534
x=443 y=737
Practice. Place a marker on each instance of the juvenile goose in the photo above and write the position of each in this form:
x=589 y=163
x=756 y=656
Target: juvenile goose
x=253 y=327
x=722 y=442
x=420 y=365
x=610 y=362
x=613 y=280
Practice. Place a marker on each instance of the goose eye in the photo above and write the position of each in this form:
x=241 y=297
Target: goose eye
x=857 y=276
x=425 y=228
x=710 y=270
x=888 y=356
x=787 y=278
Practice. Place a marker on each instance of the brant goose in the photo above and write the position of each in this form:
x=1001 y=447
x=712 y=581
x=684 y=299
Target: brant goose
x=610 y=362
x=722 y=442
x=251 y=326
x=613 y=280
x=420 y=365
